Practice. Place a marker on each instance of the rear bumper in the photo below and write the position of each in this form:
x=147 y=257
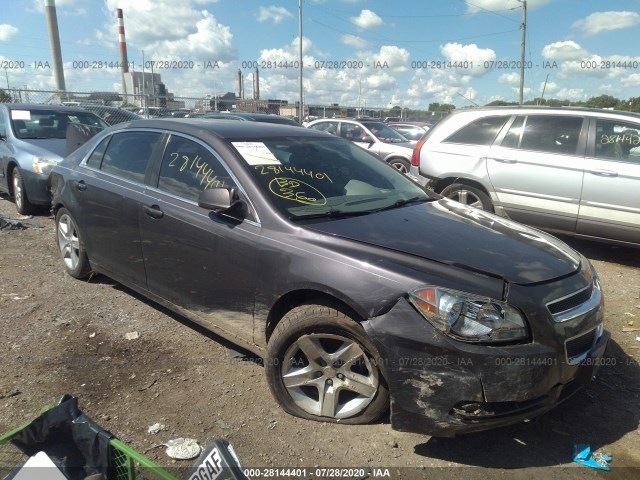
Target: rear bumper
x=443 y=387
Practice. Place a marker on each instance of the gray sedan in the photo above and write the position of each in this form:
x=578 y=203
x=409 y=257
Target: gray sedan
x=33 y=138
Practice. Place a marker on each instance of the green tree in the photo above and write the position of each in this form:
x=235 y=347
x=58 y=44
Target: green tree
x=603 y=101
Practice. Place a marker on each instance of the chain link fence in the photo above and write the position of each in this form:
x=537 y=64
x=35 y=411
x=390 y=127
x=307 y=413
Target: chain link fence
x=149 y=105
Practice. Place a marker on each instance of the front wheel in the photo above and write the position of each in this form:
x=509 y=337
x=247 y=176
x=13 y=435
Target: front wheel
x=472 y=196
x=322 y=366
x=72 y=251
x=23 y=205
x=400 y=164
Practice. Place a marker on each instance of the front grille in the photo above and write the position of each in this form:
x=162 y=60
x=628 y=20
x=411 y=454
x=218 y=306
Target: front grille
x=572 y=301
x=580 y=345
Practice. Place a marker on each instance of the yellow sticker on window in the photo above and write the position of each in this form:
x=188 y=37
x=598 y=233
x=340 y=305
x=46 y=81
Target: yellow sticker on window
x=256 y=153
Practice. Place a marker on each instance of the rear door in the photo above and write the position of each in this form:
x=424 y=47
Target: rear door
x=536 y=169
x=201 y=261
x=105 y=199
x=610 y=202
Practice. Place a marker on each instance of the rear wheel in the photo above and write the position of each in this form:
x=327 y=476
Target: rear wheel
x=400 y=164
x=72 y=250
x=322 y=366
x=469 y=195
x=23 y=205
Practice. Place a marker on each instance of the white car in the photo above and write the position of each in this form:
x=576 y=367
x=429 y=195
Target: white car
x=374 y=136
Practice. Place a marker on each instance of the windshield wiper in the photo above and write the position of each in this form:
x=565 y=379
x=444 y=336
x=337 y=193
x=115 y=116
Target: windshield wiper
x=331 y=214
x=402 y=203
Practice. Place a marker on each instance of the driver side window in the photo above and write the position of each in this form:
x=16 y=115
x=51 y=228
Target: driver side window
x=188 y=168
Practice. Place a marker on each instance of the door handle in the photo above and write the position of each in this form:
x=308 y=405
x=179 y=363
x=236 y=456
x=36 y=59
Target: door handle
x=505 y=160
x=80 y=185
x=604 y=173
x=153 y=211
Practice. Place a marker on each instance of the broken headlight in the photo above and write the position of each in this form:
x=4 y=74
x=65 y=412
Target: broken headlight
x=469 y=318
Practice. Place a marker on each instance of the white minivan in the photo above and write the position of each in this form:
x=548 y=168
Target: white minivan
x=573 y=171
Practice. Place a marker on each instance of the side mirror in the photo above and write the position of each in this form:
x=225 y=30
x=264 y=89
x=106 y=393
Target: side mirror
x=367 y=139
x=221 y=199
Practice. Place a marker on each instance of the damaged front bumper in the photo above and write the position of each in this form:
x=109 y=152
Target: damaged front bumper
x=443 y=387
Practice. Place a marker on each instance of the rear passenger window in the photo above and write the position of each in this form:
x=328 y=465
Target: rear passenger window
x=128 y=154
x=188 y=168
x=95 y=159
x=551 y=133
x=617 y=140
x=479 y=132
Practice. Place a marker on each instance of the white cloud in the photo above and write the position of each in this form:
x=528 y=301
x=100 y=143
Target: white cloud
x=178 y=30
x=354 y=41
x=567 y=50
x=468 y=59
x=474 y=6
x=575 y=94
x=509 y=78
x=388 y=58
x=604 y=21
x=367 y=19
x=632 y=80
x=7 y=32
x=274 y=14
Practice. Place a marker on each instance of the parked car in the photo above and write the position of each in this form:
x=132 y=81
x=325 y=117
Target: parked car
x=565 y=170
x=250 y=117
x=112 y=115
x=374 y=136
x=355 y=284
x=154 y=112
x=411 y=131
x=33 y=138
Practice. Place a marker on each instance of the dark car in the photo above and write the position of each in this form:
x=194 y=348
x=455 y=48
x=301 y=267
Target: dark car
x=33 y=138
x=354 y=284
x=112 y=115
x=250 y=117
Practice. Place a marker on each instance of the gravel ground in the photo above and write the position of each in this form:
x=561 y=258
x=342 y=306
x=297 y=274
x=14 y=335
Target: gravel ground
x=132 y=364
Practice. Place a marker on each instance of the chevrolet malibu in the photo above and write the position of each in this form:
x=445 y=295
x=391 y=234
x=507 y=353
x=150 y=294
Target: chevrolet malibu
x=361 y=290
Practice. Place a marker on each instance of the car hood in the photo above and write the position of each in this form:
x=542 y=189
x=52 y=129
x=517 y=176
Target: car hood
x=452 y=233
x=53 y=148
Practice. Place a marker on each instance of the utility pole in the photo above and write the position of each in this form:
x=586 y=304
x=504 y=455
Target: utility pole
x=524 y=34
x=301 y=112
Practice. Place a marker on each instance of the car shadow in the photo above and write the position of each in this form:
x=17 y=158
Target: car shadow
x=598 y=415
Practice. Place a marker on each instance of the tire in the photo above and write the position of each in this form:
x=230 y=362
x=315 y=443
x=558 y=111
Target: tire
x=400 y=164
x=23 y=205
x=330 y=366
x=72 y=250
x=472 y=196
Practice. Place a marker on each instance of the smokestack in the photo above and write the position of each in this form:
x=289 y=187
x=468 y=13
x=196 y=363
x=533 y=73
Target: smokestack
x=54 y=42
x=240 y=92
x=124 y=62
x=256 y=88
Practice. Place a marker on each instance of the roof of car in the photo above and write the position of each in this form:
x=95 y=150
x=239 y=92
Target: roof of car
x=542 y=108
x=39 y=106
x=224 y=128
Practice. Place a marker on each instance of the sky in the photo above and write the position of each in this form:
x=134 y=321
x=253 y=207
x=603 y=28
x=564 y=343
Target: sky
x=368 y=53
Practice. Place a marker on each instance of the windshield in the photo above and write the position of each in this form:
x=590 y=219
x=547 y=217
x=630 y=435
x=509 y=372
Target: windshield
x=311 y=178
x=34 y=124
x=384 y=133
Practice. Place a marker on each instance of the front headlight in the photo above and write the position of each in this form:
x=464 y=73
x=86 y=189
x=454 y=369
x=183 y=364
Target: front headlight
x=469 y=318
x=43 y=165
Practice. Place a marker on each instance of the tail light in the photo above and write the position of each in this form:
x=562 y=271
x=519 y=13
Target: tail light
x=415 y=156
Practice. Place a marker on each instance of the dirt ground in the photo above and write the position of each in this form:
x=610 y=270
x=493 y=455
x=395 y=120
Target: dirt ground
x=60 y=335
